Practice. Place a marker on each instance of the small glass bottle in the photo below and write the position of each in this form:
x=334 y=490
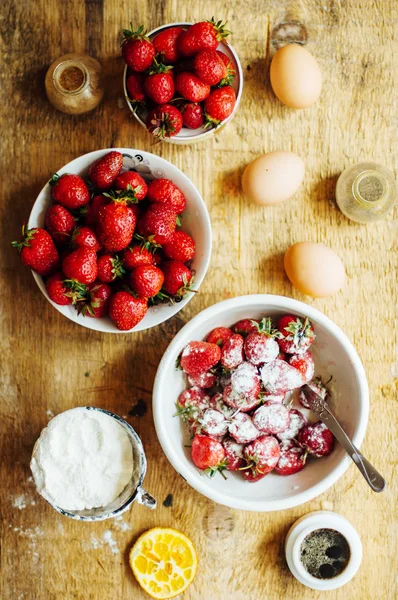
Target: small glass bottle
x=74 y=84
x=366 y=192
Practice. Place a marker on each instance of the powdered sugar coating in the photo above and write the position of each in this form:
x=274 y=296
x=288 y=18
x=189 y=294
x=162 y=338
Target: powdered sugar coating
x=218 y=403
x=292 y=459
x=246 y=380
x=241 y=402
x=260 y=348
x=264 y=452
x=232 y=352
x=213 y=423
x=233 y=454
x=304 y=363
x=275 y=398
x=279 y=377
x=242 y=429
x=297 y=422
x=317 y=439
x=203 y=380
x=272 y=418
x=192 y=402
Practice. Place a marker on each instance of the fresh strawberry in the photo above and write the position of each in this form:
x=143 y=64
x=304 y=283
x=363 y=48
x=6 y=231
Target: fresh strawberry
x=232 y=352
x=261 y=457
x=69 y=190
x=203 y=380
x=91 y=210
x=297 y=334
x=317 y=387
x=116 y=225
x=303 y=363
x=178 y=278
x=179 y=247
x=292 y=459
x=135 y=88
x=231 y=72
x=146 y=280
x=212 y=423
x=164 y=191
x=192 y=403
x=261 y=346
x=272 y=418
x=317 y=439
x=199 y=357
x=278 y=377
x=297 y=422
x=126 y=311
x=242 y=429
x=37 y=251
x=97 y=303
x=109 y=268
x=81 y=265
x=192 y=115
x=245 y=326
x=245 y=379
x=134 y=256
x=164 y=121
x=158 y=224
x=206 y=34
x=104 y=171
x=218 y=403
x=166 y=44
x=209 y=67
x=60 y=223
x=137 y=50
x=233 y=454
x=220 y=105
x=132 y=181
x=191 y=87
x=219 y=336
x=208 y=455
x=240 y=401
x=86 y=238
x=64 y=292
x=159 y=85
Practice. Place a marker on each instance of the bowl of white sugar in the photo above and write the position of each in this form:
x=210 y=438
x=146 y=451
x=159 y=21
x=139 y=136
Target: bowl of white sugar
x=89 y=464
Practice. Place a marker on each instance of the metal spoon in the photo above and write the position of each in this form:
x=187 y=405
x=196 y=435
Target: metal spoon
x=320 y=406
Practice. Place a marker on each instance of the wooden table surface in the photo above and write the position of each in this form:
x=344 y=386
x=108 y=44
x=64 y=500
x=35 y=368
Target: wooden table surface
x=49 y=364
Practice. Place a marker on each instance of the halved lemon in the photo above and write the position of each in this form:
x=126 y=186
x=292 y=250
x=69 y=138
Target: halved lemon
x=164 y=562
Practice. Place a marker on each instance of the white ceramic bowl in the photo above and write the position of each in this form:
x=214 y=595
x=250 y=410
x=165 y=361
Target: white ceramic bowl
x=189 y=136
x=196 y=222
x=334 y=356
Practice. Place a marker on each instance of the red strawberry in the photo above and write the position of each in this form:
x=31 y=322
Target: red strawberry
x=240 y=401
x=212 y=423
x=104 y=171
x=297 y=422
x=60 y=223
x=135 y=256
x=164 y=121
x=37 y=251
x=135 y=88
x=209 y=67
x=164 y=191
x=232 y=352
x=85 y=237
x=146 y=280
x=69 y=190
x=261 y=346
x=219 y=336
x=192 y=403
x=316 y=386
x=97 y=302
x=245 y=326
x=272 y=418
x=132 y=181
x=64 y=292
x=109 y=268
x=166 y=43
x=179 y=247
x=233 y=454
x=191 y=87
x=199 y=357
x=192 y=115
x=297 y=334
x=292 y=459
x=206 y=34
x=92 y=209
x=208 y=455
x=245 y=379
x=137 y=50
x=204 y=380
x=220 y=105
x=231 y=73
x=261 y=456
x=158 y=224
x=303 y=363
x=177 y=278
x=218 y=403
x=317 y=439
x=116 y=225
x=126 y=311
x=81 y=265
x=159 y=85
x=242 y=429
x=278 y=377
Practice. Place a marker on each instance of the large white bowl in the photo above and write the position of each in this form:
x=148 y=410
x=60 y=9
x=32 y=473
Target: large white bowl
x=334 y=356
x=196 y=222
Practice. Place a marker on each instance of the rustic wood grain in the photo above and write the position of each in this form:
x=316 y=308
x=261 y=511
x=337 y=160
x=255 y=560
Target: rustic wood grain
x=48 y=364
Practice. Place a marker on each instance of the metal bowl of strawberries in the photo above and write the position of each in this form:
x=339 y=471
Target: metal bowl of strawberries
x=118 y=240
x=231 y=408
x=182 y=81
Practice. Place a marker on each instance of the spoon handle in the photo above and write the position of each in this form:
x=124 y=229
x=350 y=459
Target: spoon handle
x=372 y=476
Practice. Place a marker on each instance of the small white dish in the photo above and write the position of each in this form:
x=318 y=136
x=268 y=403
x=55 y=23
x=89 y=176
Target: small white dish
x=190 y=136
x=196 y=222
x=334 y=356
x=322 y=519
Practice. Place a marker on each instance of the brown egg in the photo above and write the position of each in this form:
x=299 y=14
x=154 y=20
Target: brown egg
x=295 y=76
x=314 y=269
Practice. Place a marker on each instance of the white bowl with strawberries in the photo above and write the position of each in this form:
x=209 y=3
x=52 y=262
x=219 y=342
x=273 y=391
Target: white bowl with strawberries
x=233 y=417
x=182 y=81
x=118 y=240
